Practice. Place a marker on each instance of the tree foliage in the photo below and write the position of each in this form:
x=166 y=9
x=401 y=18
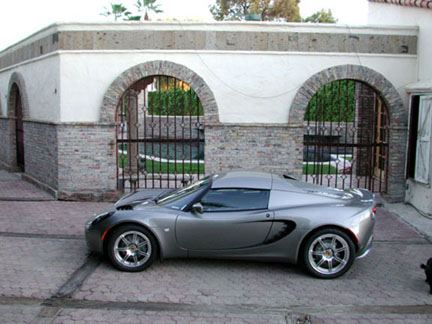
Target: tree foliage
x=322 y=16
x=144 y=7
x=269 y=10
x=117 y=10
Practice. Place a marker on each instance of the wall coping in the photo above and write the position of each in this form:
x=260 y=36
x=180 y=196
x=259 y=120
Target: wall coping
x=214 y=26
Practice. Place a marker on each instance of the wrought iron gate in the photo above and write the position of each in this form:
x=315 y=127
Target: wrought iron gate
x=346 y=137
x=160 y=135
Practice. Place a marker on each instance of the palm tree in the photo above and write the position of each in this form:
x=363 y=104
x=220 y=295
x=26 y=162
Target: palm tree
x=117 y=10
x=147 y=6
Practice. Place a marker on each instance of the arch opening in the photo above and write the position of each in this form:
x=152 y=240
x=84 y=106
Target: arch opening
x=346 y=137
x=159 y=134
x=16 y=108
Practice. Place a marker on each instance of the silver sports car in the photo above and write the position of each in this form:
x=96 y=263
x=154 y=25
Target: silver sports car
x=249 y=215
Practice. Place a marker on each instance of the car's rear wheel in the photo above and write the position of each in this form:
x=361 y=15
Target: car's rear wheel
x=328 y=253
x=132 y=248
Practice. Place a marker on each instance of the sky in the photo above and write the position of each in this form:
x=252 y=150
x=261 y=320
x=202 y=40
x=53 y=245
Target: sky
x=20 y=19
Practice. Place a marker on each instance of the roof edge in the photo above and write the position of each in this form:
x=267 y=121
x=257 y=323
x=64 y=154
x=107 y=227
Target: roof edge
x=425 y=4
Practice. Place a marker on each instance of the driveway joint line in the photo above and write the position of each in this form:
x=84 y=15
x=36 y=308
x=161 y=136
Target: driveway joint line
x=68 y=303
x=76 y=280
x=42 y=236
x=27 y=199
x=423 y=242
x=52 y=306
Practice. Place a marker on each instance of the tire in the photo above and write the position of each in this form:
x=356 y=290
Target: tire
x=328 y=253
x=132 y=248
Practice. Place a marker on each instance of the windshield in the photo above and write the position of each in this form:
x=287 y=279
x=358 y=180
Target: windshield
x=178 y=199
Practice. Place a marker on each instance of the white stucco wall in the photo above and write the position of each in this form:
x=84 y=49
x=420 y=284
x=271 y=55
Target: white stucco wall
x=42 y=86
x=417 y=194
x=385 y=14
x=248 y=87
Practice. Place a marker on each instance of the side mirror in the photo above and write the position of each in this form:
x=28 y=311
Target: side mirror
x=197 y=207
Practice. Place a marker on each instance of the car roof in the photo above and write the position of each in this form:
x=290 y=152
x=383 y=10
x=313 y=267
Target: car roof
x=242 y=179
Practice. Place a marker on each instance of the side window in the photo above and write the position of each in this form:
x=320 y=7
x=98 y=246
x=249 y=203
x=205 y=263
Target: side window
x=235 y=199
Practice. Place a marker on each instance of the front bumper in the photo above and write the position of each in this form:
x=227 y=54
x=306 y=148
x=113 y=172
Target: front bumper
x=94 y=240
x=365 y=251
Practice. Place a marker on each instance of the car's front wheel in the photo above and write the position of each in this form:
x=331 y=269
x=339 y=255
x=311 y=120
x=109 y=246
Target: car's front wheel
x=132 y=248
x=328 y=253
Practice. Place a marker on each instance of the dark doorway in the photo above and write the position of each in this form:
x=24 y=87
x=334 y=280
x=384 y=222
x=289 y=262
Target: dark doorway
x=346 y=137
x=19 y=127
x=160 y=135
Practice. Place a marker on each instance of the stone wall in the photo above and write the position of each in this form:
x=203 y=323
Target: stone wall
x=276 y=148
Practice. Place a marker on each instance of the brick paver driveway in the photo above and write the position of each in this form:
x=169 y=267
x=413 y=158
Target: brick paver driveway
x=48 y=276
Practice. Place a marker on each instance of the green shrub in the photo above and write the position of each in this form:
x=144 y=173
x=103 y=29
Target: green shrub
x=334 y=102
x=174 y=102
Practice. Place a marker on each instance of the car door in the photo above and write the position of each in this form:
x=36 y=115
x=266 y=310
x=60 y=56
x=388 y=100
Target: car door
x=232 y=218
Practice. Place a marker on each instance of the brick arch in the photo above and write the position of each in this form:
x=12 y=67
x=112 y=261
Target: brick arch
x=397 y=111
x=17 y=79
x=130 y=76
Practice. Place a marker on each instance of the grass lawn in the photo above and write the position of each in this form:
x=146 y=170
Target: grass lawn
x=319 y=169
x=163 y=167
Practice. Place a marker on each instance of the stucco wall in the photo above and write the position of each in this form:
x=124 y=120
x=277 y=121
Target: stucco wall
x=42 y=87
x=248 y=87
x=385 y=14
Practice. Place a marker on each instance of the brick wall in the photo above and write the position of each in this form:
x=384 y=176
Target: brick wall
x=86 y=161
x=40 y=149
x=265 y=147
x=7 y=144
x=396 y=178
x=4 y=135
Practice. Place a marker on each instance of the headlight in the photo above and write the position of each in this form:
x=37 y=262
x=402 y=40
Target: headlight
x=98 y=218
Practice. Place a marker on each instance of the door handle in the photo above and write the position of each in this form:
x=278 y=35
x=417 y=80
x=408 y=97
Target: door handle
x=267 y=215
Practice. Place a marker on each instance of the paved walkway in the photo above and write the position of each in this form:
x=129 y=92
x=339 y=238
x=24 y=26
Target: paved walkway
x=48 y=276
x=13 y=188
